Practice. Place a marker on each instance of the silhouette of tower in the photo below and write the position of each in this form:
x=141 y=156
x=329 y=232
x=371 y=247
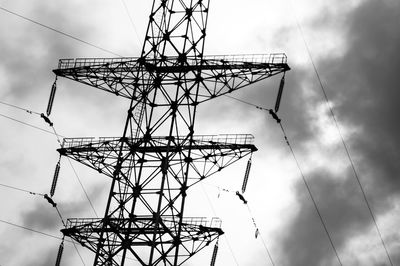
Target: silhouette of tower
x=158 y=157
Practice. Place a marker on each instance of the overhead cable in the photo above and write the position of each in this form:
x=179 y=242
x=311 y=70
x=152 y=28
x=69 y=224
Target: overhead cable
x=33 y=230
x=132 y=23
x=58 y=31
x=215 y=214
x=29 y=125
x=311 y=194
x=23 y=190
x=18 y=107
x=336 y=123
x=278 y=120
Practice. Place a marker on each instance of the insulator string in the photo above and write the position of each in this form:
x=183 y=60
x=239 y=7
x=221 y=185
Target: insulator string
x=279 y=96
x=51 y=98
x=55 y=178
x=214 y=255
x=59 y=253
x=246 y=175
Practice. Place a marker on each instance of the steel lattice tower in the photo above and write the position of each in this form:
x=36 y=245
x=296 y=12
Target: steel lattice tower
x=158 y=158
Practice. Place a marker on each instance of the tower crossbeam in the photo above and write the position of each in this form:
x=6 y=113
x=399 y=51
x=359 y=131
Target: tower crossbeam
x=197 y=233
x=210 y=153
x=127 y=77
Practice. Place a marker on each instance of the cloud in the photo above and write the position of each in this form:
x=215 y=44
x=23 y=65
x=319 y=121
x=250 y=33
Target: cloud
x=363 y=86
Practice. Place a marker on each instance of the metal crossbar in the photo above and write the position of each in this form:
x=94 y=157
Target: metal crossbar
x=244 y=139
x=214 y=222
x=276 y=58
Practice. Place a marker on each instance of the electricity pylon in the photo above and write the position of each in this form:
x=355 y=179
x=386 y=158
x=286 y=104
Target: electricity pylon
x=158 y=157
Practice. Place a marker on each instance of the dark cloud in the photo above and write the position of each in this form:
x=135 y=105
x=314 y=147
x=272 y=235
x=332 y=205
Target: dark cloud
x=363 y=84
x=341 y=205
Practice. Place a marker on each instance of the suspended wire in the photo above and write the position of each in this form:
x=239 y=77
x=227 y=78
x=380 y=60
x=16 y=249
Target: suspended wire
x=20 y=108
x=58 y=31
x=76 y=174
x=303 y=177
x=42 y=233
x=133 y=24
x=57 y=135
x=342 y=137
x=83 y=188
x=23 y=190
x=33 y=230
x=46 y=119
x=310 y=194
x=245 y=102
x=215 y=214
x=73 y=242
x=258 y=233
x=252 y=217
x=59 y=141
x=79 y=254
x=61 y=218
x=29 y=125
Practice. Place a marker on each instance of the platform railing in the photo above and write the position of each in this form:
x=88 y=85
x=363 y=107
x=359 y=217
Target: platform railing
x=244 y=139
x=169 y=222
x=274 y=58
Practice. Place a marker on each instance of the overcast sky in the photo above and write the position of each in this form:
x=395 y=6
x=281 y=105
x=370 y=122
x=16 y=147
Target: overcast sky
x=354 y=45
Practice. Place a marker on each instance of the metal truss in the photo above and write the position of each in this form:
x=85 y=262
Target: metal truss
x=158 y=157
x=215 y=75
x=197 y=233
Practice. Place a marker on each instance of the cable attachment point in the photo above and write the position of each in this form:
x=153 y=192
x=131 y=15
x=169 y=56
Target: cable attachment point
x=274 y=116
x=50 y=200
x=46 y=119
x=241 y=197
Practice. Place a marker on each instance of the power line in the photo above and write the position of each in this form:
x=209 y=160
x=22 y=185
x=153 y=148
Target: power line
x=215 y=214
x=262 y=239
x=303 y=178
x=57 y=135
x=83 y=188
x=245 y=102
x=58 y=31
x=79 y=254
x=76 y=174
x=59 y=214
x=33 y=230
x=342 y=139
x=251 y=216
x=310 y=193
x=29 y=125
x=20 y=189
x=45 y=234
x=20 y=108
x=132 y=23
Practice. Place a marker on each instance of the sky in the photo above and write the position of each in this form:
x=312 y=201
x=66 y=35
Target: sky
x=354 y=48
